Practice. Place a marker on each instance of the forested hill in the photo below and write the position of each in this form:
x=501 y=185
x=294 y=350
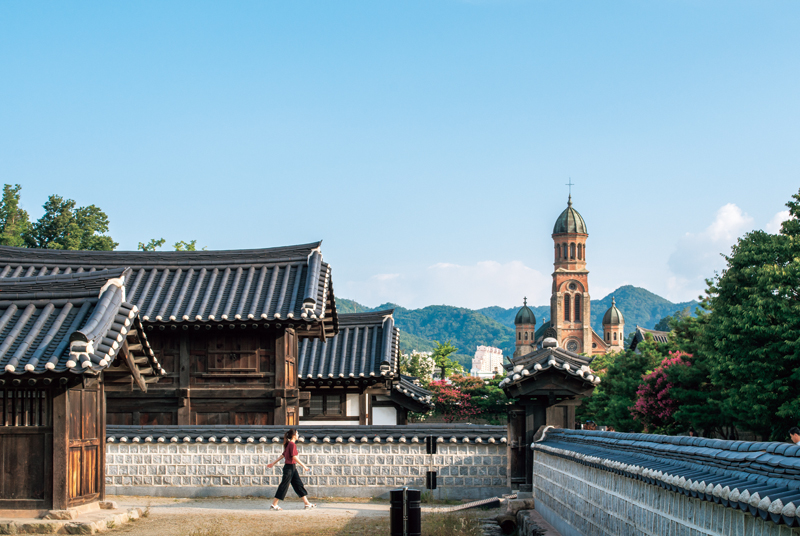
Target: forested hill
x=494 y=326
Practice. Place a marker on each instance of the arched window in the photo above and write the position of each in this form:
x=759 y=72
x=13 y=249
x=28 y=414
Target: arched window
x=615 y=335
x=526 y=335
x=558 y=251
x=564 y=250
x=572 y=250
x=567 y=300
x=608 y=336
x=519 y=336
x=577 y=308
x=580 y=250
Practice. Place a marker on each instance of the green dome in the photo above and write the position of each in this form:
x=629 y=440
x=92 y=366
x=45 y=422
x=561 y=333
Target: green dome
x=613 y=316
x=525 y=315
x=570 y=221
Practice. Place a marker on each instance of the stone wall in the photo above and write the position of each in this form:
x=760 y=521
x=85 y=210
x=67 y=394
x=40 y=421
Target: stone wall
x=469 y=465
x=607 y=484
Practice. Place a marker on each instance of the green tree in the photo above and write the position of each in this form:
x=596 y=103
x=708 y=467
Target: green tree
x=753 y=331
x=14 y=222
x=621 y=375
x=186 y=246
x=63 y=226
x=699 y=399
x=441 y=356
x=156 y=243
x=665 y=324
x=153 y=245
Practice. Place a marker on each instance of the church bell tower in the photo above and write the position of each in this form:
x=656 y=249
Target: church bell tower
x=569 y=303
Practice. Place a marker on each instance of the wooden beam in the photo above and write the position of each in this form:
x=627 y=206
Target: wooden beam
x=137 y=377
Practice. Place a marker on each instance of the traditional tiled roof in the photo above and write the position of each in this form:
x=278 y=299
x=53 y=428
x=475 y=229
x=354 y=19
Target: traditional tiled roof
x=759 y=477
x=531 y=365
x=260 y=285
x=641 y=333
x=409 y=386
x=412 y=433
x=367 y=346
x=67 y=323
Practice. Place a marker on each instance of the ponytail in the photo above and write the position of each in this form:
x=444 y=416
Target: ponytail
x=290 y=433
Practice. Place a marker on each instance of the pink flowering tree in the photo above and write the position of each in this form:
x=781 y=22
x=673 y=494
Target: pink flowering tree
x=654 y=407
x=451 y=403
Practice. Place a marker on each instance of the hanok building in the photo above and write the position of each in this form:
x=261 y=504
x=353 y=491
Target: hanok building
x=229 y=328
x=63 y=339
x=354 y=378
x=570 y=306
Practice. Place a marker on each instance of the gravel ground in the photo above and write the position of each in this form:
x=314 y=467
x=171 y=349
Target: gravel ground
x=246 y=517
x=252 y=517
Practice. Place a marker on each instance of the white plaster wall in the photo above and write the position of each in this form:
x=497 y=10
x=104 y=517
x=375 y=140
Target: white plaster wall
x=352 y=405
x=328 y=423
x=384 y=416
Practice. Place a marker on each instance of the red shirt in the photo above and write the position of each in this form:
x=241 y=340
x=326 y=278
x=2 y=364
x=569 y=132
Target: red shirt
x=289 y=452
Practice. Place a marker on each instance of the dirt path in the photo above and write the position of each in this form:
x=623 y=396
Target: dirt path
x=251 y=517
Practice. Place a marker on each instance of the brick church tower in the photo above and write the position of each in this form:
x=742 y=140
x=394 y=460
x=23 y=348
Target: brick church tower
x=569 y=303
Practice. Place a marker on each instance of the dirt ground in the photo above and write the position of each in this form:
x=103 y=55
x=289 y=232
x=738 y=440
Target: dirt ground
x=252 y=517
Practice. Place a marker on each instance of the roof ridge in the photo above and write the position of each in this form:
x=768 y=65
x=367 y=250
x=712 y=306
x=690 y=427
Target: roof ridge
x=86 y=258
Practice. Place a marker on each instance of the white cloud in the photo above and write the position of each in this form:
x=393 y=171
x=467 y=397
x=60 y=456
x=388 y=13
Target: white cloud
x=479 y=285
x=774 y=225
x=698 y=255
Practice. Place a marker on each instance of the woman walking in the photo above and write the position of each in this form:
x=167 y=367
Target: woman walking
x=290 y=474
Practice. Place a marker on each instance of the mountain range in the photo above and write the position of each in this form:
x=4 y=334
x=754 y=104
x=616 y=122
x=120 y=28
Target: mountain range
x=494 y=326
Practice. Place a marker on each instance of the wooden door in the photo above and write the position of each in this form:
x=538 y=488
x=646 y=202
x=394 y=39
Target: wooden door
x=85 y=460
x=516 y=447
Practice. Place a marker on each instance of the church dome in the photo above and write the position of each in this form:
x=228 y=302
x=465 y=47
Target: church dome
x=525 y=315
x=613 y=316
x=570 y=221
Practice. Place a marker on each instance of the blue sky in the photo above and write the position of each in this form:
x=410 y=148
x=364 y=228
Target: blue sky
x=427 y=143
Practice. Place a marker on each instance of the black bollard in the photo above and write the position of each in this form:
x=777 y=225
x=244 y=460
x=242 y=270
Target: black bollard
x=405 y=514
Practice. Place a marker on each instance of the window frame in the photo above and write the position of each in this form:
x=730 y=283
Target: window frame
x=325 y=416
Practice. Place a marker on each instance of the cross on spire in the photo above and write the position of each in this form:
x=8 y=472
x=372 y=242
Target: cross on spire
x=570 y=184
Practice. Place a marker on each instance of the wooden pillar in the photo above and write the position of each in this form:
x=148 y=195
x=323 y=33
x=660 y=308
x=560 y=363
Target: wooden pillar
x=185 y=367
x=60 y=449
x=101 y=432
x=287 y=408
x=363 y=415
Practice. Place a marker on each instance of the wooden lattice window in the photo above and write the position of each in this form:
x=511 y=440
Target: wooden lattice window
x=25 y=407
x=327 y=405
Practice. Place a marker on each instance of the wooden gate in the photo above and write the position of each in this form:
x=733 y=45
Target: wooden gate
x=85 y=459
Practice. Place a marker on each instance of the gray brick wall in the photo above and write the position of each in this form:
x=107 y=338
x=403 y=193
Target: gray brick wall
x=582 y=500
x=346 y=469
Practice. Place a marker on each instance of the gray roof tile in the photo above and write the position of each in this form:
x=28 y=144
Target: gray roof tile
x=285 y=283
x=66 y=323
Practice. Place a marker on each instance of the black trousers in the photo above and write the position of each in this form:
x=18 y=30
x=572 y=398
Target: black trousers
x=290 y=476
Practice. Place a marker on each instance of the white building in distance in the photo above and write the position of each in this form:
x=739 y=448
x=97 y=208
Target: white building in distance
x=487 y=362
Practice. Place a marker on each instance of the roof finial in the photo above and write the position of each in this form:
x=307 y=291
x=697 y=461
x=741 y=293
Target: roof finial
x=525 y=300
x=570 y=184
x=613 y=301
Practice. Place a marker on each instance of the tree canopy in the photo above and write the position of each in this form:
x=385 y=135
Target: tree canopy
x=64 y=225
